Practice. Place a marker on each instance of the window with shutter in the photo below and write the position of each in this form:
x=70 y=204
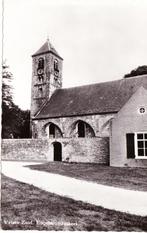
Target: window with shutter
x=141 y=145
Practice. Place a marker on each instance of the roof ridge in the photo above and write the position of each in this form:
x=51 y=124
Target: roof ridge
x=91 y=84
x=105 y=82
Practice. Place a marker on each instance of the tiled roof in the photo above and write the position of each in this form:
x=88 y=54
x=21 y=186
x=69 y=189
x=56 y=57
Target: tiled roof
x=101 y=98
x=45 y=48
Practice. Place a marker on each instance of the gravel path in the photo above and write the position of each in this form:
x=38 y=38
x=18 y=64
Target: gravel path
x=133 y=202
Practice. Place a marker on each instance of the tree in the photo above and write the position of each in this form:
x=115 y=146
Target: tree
x=6 y=85
x=7 y=100
x=138 y=71
x=15 y=122
x=24 y=123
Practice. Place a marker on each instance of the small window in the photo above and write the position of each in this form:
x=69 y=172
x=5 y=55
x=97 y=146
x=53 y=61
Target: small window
x=52 y=131
x=41 y=63
x=56 y=68
x=141 y=145
x=40 y=88
x=81 y=129
x=142 y=110
x=40 y=77
x=40 y=91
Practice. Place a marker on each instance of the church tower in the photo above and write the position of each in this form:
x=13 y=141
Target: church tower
x=46 y=75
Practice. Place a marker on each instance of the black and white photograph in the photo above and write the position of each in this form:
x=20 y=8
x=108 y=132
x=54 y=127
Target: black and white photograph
x=74 y=115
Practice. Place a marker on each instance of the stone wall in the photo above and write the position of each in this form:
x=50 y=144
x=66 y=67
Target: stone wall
x=24 y=149
x=94 y=150
x=99 y=123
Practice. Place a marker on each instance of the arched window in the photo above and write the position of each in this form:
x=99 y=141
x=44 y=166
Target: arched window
x=41 y=63
x=40 y=91
x=40 y=78
x=54 y=131
x=56 y=68
x=84 y=129
x=81 y=129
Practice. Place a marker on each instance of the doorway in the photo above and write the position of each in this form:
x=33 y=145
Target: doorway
x=57 y=151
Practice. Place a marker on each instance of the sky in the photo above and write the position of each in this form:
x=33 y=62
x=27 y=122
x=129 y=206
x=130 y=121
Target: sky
x=99 y=40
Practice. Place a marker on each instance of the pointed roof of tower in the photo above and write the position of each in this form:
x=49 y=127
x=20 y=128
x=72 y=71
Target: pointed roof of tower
x=46 y=48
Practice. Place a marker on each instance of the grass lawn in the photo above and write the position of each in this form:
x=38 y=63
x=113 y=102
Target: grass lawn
x=25 y=207
x=129 y=178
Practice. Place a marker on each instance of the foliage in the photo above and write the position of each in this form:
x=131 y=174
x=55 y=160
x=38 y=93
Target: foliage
x=6 y=86
x=141 y=70
x=15 y=122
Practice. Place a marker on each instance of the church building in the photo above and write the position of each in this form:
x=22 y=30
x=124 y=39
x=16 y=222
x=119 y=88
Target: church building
x=103 y=123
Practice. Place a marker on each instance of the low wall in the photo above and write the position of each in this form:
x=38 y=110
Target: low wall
x=24 y=149
x=94 y=150
x=90 y=150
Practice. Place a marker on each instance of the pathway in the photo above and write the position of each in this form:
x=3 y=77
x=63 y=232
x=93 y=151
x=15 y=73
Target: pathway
x=133 y=202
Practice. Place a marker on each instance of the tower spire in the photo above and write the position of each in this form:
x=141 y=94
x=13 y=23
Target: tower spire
x=48 y=40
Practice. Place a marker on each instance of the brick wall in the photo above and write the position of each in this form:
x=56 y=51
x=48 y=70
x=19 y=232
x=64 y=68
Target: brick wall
x=73 y=149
